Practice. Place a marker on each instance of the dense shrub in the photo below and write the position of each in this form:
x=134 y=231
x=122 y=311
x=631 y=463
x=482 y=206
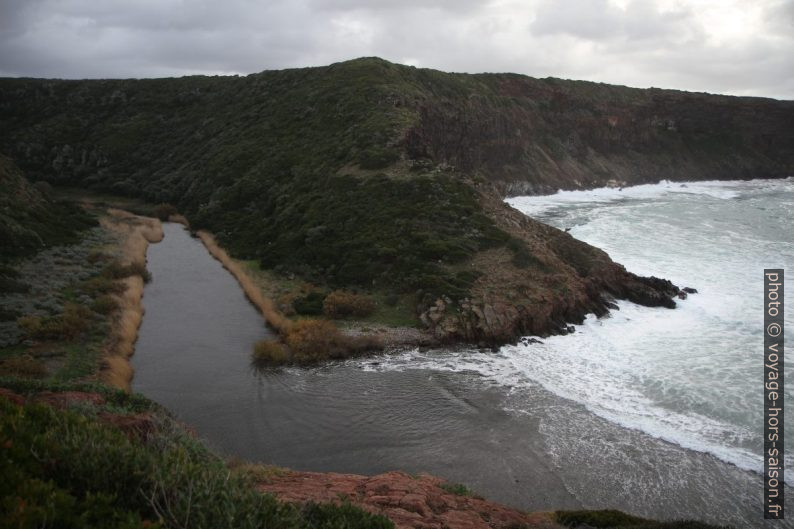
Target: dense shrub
x=31 y=219
x=309 y=305
x=317 y=340
x=522 y=258
x=314 y=340
x=116 y=270
x=457 y=489
x=270 y=352
x=102 y=285
x=69 y=325
x=23 y=366
x=164 y=211
x=8 y=314
x=330 y=516
x=63 y=469
x=30 y=325
x=9 y=282
x=105 y=304
x=96 y=256
x=341 y=303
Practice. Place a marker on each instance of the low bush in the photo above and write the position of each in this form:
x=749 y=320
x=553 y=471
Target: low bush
x=341 y=303
x=522 y=258
x=9 y=281
x=164 y=211
x=116 y=270
x=457 y=489
x=68 y=325
x=30 y=325
x=314 y=340
x=270 y=352
x=105 y=304
x=331 y=516
x=309 y=305
x=23 y=366
x=64 y=469
x=101 y=285
x=8 y=314
x=317 y=340
x=96 y=256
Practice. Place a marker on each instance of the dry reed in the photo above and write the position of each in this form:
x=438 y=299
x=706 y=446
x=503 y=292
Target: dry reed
x=179 y=219
x=136 y=234
x=272 y=316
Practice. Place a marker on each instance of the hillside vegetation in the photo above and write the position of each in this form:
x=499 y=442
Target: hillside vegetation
x=386 y=178
x=30 y=218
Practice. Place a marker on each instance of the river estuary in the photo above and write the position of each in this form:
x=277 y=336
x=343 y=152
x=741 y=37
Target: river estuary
x=596 y=419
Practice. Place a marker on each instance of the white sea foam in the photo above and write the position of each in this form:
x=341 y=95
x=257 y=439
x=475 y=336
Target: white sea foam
x=720 y=189
x=691 y=375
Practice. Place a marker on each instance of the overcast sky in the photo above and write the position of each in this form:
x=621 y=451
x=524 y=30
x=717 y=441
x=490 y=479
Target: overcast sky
x=743 y=47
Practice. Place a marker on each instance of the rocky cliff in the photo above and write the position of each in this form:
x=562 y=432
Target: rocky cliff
x=385 y=178
x=532 y=136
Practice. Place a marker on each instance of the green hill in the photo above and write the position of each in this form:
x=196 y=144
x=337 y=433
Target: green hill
x=376 y=176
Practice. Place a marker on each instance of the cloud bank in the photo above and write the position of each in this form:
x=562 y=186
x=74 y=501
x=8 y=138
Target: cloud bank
x=721 y=46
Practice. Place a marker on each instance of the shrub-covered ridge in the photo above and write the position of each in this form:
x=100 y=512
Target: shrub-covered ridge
x=386 y=178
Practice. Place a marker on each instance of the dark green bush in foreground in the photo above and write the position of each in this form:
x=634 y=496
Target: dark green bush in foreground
x=65 y=469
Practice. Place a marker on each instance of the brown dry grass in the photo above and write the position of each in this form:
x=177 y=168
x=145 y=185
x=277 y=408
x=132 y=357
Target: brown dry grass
x=341 y=303
x=136 y=233
x=265 y=305
x=179 y=219
x=25 y=366
x=308 y=341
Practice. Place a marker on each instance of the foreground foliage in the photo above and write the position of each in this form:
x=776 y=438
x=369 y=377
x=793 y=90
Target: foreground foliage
x=68 y=469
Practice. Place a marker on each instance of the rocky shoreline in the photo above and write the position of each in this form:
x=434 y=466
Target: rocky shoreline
x=423 y=501
x=569 y=280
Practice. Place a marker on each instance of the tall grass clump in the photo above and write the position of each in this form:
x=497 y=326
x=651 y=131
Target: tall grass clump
x=270 y=352
x=272 y=316
x=23 y=366
x=164 y=211
x=68 y=325
x=317 y=340
x=105 y=304
x=116 y=270
x=341 y=303
x=127 y=277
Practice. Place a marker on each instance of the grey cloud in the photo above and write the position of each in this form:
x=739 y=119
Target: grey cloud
x=640 y=45
x=602 y=20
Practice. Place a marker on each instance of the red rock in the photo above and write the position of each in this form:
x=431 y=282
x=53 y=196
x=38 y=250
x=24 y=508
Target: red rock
x=417 y=503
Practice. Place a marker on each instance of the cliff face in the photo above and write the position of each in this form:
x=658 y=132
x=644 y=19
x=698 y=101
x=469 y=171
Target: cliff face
x=387 y=178
x=531 y=136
